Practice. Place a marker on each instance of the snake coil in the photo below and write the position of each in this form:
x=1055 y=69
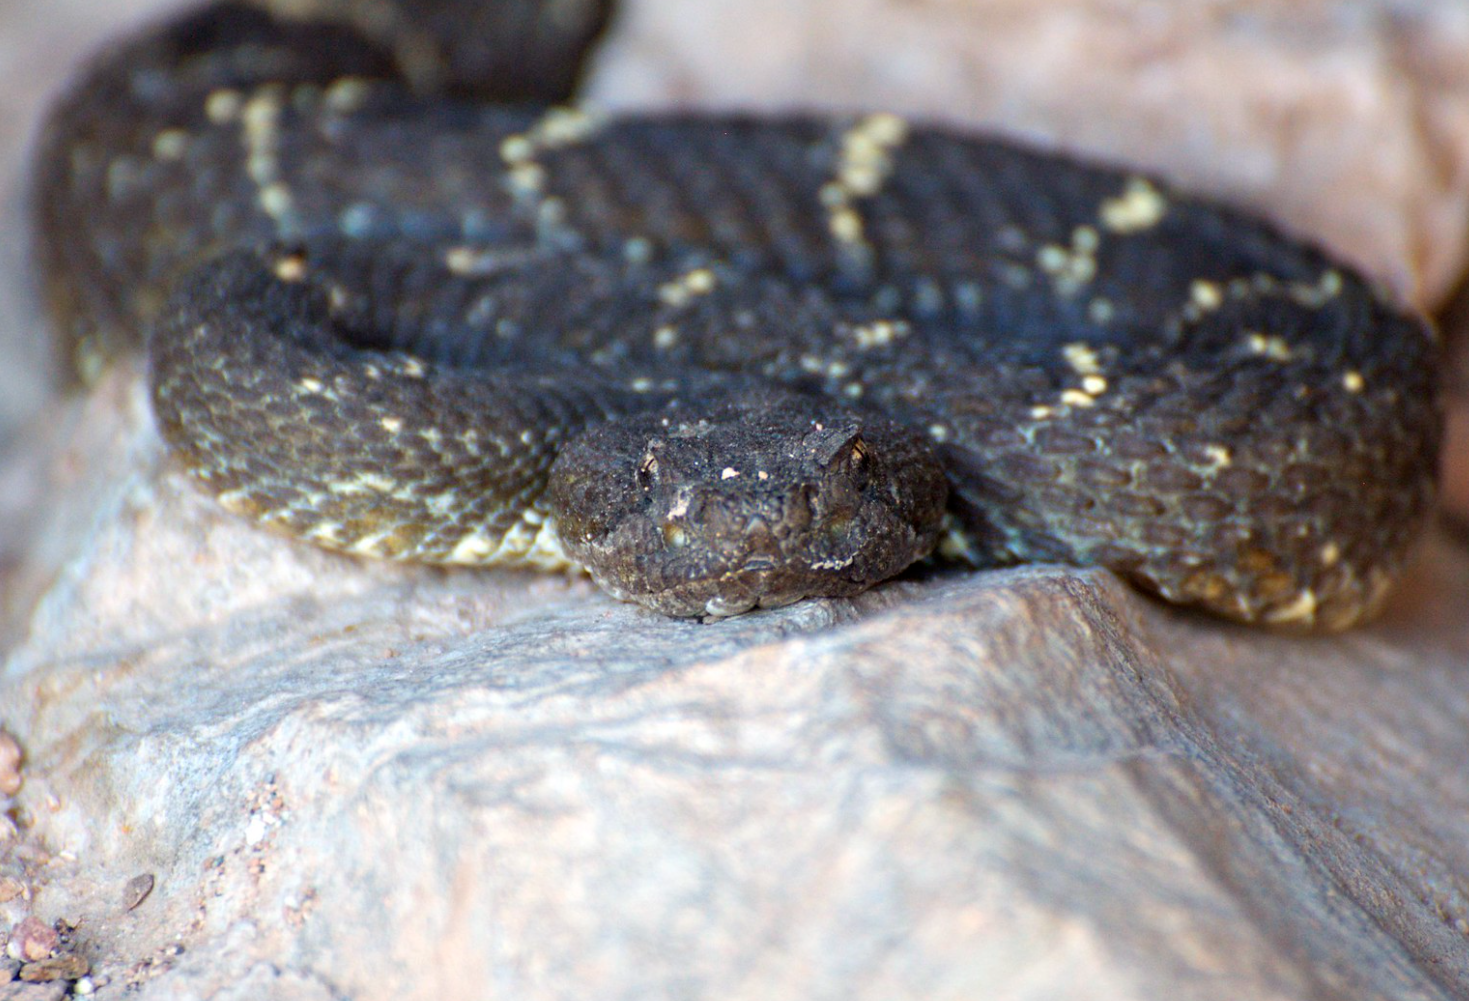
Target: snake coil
x=402 y=301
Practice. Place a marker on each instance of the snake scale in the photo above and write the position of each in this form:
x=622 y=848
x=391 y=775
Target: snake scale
x=400 y=299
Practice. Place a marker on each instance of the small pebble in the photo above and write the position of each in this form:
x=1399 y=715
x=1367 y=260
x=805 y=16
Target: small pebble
x=10 y=758
x=33 y=940
x=10 y=888
x=68 y=966
x=136 y=891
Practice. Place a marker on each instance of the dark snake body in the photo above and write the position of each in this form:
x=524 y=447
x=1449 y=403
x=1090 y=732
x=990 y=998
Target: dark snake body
x=416 y=288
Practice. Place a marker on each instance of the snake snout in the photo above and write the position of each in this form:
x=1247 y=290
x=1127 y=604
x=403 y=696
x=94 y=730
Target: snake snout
x=751 y=504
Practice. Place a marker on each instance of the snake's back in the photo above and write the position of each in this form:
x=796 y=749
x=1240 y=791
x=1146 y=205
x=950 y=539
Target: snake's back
x=1110 y=372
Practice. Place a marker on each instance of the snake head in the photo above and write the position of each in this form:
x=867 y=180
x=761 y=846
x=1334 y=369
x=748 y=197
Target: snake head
x=746 y=504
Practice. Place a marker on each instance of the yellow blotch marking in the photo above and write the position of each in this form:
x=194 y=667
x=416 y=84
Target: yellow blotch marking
x=700 y=281
x=223 y=106
x=1070 y=268
x=1330 y=554
x=442 y=505
x=532 y=541
x=239 y=503
x=559 y=127
x=1219 y=457
x=260 y=119
x=527 y=178
x=1206 y=295
x=516 y=149
x=275 y=200
x=1271 y=346
x=309 y=385
x=465 y=260
x=563 y=126
x=328 y=533
x=363 y=483
x=1100 y=311
x=1041 y=413
x=665 y=337
x=346 y=94
x=845 y=225
x=1140 y=206
x=170 y=144
x=471 y=549
x=1353 y=382
x=879 y=333
x=863 y=165
x=392 y=425
x=865 y=161
x=291 y=268
x=729 y=473
x=1301 y=609
x=1326 y=288
x=1082 y=359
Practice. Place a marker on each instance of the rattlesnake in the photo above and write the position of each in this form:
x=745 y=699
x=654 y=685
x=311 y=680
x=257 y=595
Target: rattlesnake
x=402 y=302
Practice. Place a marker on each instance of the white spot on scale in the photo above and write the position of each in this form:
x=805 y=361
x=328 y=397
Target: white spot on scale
x=1219 y=456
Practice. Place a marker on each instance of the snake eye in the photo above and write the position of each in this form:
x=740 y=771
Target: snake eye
x=854 y=458
x=647 y=473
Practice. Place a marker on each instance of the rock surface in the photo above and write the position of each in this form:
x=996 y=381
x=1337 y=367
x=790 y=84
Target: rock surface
x=349 y=780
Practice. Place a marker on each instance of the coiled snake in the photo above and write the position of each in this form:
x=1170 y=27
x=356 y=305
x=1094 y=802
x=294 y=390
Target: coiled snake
x=399 y=302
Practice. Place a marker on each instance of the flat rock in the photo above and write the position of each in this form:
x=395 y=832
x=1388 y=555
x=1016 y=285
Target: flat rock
x=366 y=781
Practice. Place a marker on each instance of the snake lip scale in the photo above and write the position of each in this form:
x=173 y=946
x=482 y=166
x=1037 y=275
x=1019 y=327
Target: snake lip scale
x=401 y=299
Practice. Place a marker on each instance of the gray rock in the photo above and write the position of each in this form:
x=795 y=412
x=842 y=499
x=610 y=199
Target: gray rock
x=356 y=780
